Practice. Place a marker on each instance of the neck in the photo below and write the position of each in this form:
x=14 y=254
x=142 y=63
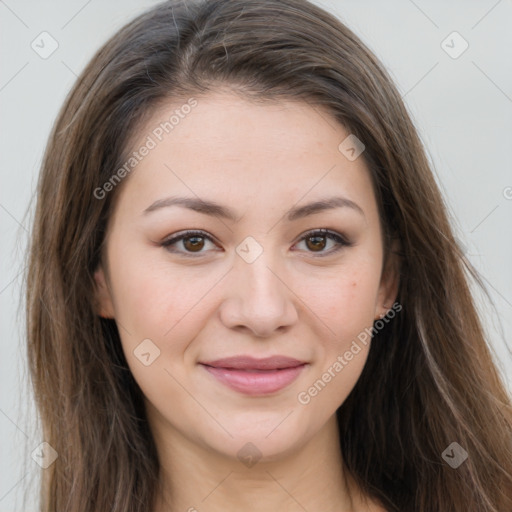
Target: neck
x=310 y=478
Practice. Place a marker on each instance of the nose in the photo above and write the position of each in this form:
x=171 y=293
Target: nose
x=258 y=299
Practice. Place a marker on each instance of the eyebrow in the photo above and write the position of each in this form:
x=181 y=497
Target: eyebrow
x=214 y=209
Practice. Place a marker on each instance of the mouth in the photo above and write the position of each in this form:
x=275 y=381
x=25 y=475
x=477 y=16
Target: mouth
x=252 y=376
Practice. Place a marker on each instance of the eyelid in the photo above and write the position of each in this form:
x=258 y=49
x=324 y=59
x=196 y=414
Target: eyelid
x=177 y=237
x=340 y=239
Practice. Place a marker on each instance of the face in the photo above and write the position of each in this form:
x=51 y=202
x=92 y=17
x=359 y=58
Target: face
x=246 y=329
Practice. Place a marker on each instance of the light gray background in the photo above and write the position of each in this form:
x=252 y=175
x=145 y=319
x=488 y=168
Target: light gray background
x=462 y=107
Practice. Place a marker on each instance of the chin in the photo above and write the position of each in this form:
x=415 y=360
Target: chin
x=265 y=437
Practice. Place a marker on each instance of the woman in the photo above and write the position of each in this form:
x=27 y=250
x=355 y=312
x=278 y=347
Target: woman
x=244 y=292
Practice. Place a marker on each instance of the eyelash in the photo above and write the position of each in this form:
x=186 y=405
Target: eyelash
x=336 y=237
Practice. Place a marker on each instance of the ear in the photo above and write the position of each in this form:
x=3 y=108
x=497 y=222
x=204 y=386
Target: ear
x=103 y=299
x=389 y=283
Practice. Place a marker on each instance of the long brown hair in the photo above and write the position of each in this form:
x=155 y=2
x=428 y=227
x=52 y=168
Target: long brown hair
x=429 y=379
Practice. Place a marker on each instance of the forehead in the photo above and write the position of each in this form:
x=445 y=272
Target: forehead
x=228 y=125
x=232 y=149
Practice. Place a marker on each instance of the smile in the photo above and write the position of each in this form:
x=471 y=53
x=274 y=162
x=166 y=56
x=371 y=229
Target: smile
x=255 y=376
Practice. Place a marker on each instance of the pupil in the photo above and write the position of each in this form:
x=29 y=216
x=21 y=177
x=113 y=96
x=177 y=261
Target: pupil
x=319 y=241
x=193 y=242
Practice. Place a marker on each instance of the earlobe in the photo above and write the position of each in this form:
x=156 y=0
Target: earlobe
x=103 y=299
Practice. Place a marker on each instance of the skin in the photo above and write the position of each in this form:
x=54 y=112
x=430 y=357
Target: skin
x=260 y=160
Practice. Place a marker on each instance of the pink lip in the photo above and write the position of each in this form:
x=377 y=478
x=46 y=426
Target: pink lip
x=255 y=376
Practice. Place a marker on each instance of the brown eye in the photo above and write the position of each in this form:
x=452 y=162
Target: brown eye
x=317 y=241
x=189 y=243
x=193 y=243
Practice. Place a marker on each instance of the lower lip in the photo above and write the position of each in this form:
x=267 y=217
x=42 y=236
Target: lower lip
x=254 y=382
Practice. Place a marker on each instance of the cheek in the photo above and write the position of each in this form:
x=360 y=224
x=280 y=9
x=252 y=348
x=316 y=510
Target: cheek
x=348 y=311
x=348 y=298
x=158 y=312
x=345 y=301
x=152 y=297
x=347 y=307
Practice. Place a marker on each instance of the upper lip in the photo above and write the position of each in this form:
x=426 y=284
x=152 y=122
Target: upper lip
x=251 y=363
